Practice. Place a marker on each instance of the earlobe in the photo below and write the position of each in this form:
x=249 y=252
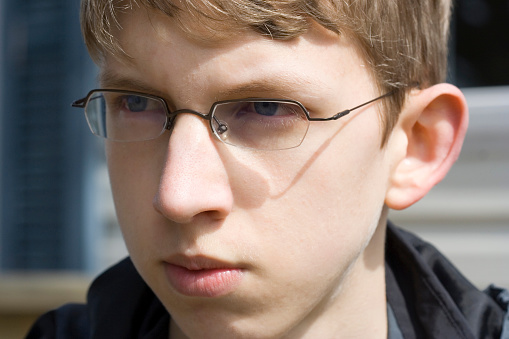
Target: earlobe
x=433 y=122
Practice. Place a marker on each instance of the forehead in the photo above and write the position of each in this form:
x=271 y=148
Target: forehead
x=211 y=21
x=199 y=29
x=274 y=18
x=204 y=31
x=147 y=34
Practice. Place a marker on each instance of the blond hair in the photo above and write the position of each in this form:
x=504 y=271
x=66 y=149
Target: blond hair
x=403 y=42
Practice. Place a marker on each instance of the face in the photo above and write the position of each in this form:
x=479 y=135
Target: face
x=230 y=238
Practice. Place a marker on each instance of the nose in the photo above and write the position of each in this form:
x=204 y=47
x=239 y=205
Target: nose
x=194 y=181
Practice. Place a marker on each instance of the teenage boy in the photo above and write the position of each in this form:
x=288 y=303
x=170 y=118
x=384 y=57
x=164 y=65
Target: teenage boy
x=254 y=149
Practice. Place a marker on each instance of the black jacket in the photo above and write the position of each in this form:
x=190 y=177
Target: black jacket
x=428 y=296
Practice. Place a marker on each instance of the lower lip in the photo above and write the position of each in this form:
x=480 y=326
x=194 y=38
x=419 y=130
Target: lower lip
x=203 y=283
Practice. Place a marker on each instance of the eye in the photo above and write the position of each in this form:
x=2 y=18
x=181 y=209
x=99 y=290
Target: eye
x=136 y=103
x=266 y=108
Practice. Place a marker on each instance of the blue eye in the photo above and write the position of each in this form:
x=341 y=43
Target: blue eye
x=266 y=108
x=136 y=103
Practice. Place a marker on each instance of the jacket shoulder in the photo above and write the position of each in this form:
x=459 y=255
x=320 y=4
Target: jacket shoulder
x=432 y=299
x=67 y=322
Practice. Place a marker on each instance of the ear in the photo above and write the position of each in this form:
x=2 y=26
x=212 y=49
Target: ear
x=429 y=135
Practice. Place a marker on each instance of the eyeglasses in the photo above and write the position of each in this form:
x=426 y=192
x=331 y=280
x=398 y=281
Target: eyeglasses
x=265 y=124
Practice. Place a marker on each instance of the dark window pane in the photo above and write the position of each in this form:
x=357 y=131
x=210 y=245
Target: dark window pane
x=481 y=47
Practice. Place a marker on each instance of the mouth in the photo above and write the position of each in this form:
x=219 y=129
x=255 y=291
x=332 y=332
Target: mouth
x=202 y=276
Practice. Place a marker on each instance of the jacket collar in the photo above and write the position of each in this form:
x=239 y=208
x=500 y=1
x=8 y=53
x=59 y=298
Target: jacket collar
x=430 y=298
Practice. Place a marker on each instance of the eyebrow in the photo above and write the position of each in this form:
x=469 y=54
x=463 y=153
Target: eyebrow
x=280 y=84
x=109 y=79
x=284 y=85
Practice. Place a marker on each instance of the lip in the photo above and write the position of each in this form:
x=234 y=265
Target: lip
x=201 y=276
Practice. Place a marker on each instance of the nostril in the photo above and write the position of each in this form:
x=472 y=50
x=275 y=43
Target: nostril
x=183 y=209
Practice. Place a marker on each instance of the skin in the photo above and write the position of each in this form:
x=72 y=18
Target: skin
x=305 y=226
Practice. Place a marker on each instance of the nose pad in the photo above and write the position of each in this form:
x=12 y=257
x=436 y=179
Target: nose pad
x=221 y=128
x=170 y=123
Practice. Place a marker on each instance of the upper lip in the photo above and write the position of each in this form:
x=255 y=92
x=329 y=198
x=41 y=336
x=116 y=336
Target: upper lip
x=198 y=262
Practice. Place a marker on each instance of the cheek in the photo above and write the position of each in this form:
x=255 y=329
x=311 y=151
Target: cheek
x=134 y=175
x=339 y=169
x=325 y=205
x=135 y=167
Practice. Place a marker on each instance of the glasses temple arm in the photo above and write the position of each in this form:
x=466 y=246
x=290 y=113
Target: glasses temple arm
x=345 y=112
x=375 y=99
x=79 y=103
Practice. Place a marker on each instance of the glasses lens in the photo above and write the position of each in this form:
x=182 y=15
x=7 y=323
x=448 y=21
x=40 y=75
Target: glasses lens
x=125 y=116
x=267 y=125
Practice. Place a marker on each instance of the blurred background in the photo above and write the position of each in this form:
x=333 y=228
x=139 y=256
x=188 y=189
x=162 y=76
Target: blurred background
x=57 y=224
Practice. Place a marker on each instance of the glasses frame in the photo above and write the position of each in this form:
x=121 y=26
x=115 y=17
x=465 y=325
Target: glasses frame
x=171 y=115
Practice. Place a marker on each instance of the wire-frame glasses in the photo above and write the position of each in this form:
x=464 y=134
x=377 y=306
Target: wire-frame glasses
x=265 y=124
